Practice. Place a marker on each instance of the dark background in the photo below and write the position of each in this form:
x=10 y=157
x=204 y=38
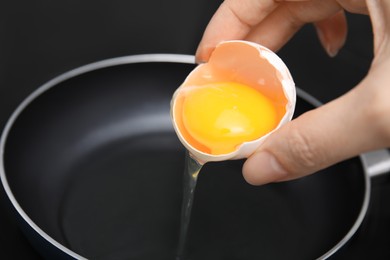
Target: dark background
x=42 y=39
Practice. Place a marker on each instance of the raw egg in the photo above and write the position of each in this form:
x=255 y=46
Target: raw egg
x=226 y=107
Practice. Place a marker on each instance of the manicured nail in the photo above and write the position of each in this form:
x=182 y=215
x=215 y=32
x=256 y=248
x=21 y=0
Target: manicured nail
x=262 y=168
x=330 y=50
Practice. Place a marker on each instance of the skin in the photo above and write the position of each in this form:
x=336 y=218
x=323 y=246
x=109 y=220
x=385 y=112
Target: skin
x=316 y=139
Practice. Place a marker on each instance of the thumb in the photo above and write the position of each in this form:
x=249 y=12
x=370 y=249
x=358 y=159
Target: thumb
x=321 y=137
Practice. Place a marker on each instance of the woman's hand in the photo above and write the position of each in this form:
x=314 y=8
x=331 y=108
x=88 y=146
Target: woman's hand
x=272 y=23
x=357 y=122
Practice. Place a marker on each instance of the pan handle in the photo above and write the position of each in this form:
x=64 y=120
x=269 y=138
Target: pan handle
x=377 y=162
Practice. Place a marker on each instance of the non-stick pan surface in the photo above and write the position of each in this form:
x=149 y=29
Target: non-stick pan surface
x=92 y=165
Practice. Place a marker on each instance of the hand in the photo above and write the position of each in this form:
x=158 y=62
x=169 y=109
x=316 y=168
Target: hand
x=357 y=122
x=272 y=23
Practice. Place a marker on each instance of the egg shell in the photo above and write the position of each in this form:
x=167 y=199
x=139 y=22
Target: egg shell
x=250 y=64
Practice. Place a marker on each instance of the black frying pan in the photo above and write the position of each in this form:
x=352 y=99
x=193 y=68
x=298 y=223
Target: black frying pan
x=93 y=169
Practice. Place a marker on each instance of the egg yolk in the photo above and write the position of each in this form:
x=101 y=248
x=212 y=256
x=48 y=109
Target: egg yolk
x=221 y=116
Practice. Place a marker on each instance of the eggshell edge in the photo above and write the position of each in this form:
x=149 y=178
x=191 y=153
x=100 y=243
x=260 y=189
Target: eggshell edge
x=247 y=148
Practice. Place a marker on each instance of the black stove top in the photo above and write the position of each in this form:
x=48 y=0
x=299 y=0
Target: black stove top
x=41 y=39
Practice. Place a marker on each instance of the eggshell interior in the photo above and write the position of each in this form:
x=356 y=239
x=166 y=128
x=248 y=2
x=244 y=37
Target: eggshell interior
x=242 y=62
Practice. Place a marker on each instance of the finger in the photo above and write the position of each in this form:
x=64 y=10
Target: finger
x=275 y=30
x=317 y=139
x=280 y=25
x=380 y=18
x=353 y=6
x=233 y=20
x=332 y=33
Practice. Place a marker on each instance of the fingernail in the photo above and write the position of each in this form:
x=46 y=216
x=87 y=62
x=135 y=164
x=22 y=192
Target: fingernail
x=203 y=53
x=330 y=50
x=199 y=60
x=262 y=168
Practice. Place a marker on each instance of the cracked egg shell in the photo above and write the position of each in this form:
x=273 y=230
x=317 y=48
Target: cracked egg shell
x=232 y=64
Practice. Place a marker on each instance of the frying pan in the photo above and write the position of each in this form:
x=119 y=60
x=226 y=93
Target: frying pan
x=93 y=169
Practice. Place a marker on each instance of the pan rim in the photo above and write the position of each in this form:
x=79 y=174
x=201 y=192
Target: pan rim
x=133 y=59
